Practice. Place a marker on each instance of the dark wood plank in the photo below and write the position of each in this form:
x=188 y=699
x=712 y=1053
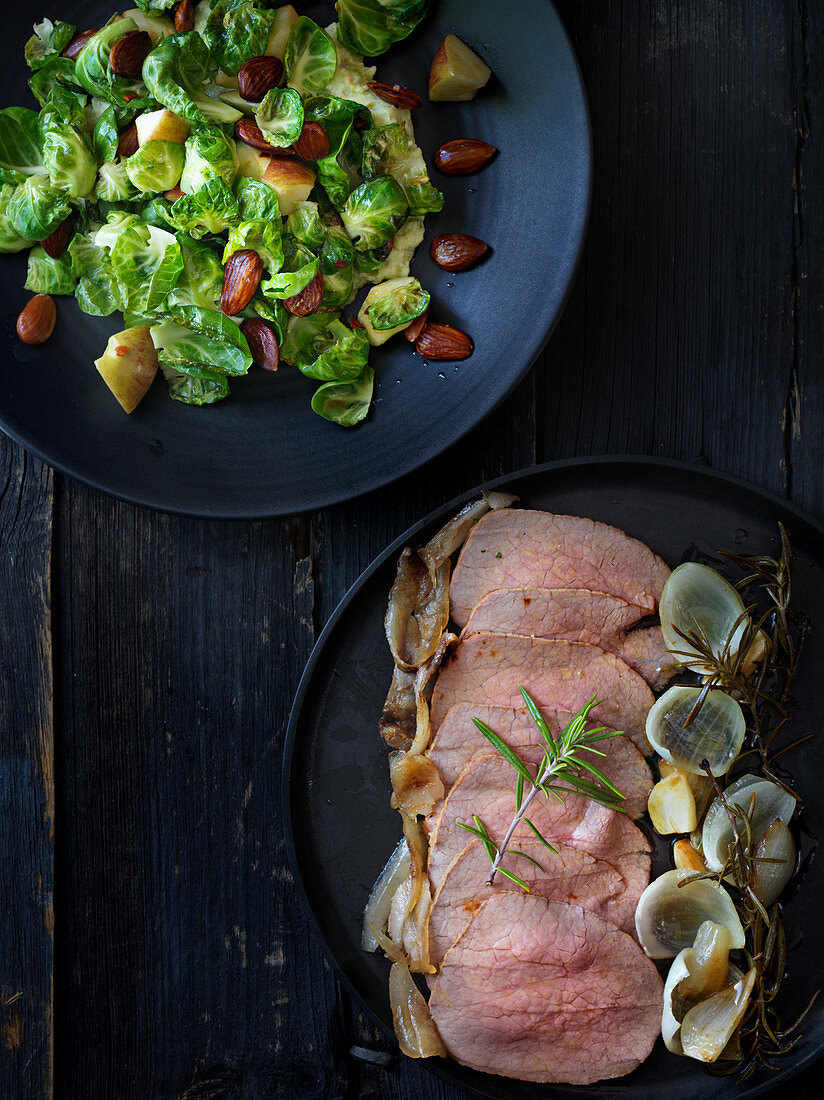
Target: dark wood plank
x=27 y=776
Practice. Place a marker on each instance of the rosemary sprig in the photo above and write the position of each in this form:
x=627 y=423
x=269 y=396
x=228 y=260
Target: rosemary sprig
x=762 y=687
x=560 y=773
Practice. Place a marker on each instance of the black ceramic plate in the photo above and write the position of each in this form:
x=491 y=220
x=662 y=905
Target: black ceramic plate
x=336 y=785
x=263 y=451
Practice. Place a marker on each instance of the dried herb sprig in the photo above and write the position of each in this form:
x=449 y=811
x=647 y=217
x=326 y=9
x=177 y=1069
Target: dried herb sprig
x=757 y=666
x=563 y=771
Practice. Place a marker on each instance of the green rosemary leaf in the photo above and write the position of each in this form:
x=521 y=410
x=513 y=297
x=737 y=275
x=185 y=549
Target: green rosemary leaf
x=483 y=836
x=601 y=736
x=539 y=721
x=523 y=855
x=599 y=775
x=519 y=792
x=540 y=836
x=592 y=790
x=505 y=751
x=515 y=878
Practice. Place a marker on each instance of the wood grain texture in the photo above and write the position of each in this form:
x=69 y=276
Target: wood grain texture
x=185 y=966
x=26 y=775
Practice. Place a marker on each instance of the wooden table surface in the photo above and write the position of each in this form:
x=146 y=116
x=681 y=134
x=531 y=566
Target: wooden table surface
x=153 y=942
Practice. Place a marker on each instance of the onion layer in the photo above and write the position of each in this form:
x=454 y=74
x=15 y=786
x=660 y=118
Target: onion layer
x=668 y=916
x=770 y=878
x=417 y=1035
x=708 y=1027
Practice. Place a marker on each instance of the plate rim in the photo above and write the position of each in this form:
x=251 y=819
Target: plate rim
x=438 y=1066
x=323 y=501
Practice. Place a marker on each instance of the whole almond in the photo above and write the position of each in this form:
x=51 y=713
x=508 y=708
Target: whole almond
x=464 y=156
x=241 y=278
x=456 y=251
x=77 y=43
x=416 y=327
x=184 y=16
x=396 y=94
x=248 y=131
x=173 y=194
x=127 y=142
x=439 y=341
x=308 y=300
x=259 y=75
x=128 y=54
x=262 y=341
x=58 y=241
x=313 y=143
x=36 y=323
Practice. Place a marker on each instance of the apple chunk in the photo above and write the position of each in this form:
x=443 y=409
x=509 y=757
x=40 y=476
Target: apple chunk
x=128 y=365
x=291 y=180
x=156 y=26
x=161 y=125
x=280 y=30
x=457 y=73
x=251 y=162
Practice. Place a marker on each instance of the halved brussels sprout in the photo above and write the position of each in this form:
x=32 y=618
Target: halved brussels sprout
x=311 y=59
x=156 y=166
x=48 y=274
x=280 y=116
x=345 y=403
x=369 y=27
x=209 y=155
x=374 y=212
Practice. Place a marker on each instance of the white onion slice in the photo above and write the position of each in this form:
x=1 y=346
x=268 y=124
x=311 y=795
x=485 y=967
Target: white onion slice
x=771 y=878
x=379 y=902
x=414 y=1027
x=668 y=916
x=708 y=1026
x=770 y=802
x=715 y=734
x=698 y=600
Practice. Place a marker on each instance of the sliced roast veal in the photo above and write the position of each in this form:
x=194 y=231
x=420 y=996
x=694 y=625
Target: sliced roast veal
x=458 y=742
x=576 y=615
x=542 y=991
x=487 y=788
x=611 y=890
x=489 y=668
x=518 y=548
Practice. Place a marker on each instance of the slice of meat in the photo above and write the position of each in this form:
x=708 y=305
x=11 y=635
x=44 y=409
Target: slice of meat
x=542 y=991
x=575 y=615
x=518 y=548
x=458 y=742
x=611 y=890
x=490 y=668
x=487 y=788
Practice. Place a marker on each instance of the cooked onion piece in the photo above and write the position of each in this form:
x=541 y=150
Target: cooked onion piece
x=417 y=1035
x=399 y=715
x=707 y=961
x=671 y=805
x=770 y=878
x=672 y=1012
x=708 y=1027
x=668 y=916
x=716 y=733
x=416 y=784
x=418 y=610
x=768 y=801
x=697 y=600
x=453 y=534
x=378 y=904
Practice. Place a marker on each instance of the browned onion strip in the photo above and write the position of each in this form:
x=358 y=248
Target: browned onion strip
x=417 y=612
x=453 y=534
x=417 y=1035
x=424 y=682
x=416 y=784
x=398 y=721
x=416 y=932
x=378 y=904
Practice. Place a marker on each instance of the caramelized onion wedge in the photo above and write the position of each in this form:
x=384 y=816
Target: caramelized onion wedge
x=379 y=902
x=453 y=534
x=418 y=611
x=414 y=1027
x=398 y=720
x=771 y=877
x=668 y=916
x=763 y=798
x=416 y=784
x=708 y=961
x=708 y=1027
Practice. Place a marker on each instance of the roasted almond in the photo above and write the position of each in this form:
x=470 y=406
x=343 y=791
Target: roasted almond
x=313 y=142
x=77 y=43
x=456 y=251
x=173 y=194
x=248 y=131
x=308 y=300
x=439 y=341
x=36 y=323
x=257 y=76
x=184 y=16
x=464 y=156
x=241 y=278
x=263 y=344
x=129 y=53
x=416 y=327
x=58 y=241
x=396 y=94
x=127 y=142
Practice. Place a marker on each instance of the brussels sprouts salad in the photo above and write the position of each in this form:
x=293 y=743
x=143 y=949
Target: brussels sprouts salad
x=228 y=175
